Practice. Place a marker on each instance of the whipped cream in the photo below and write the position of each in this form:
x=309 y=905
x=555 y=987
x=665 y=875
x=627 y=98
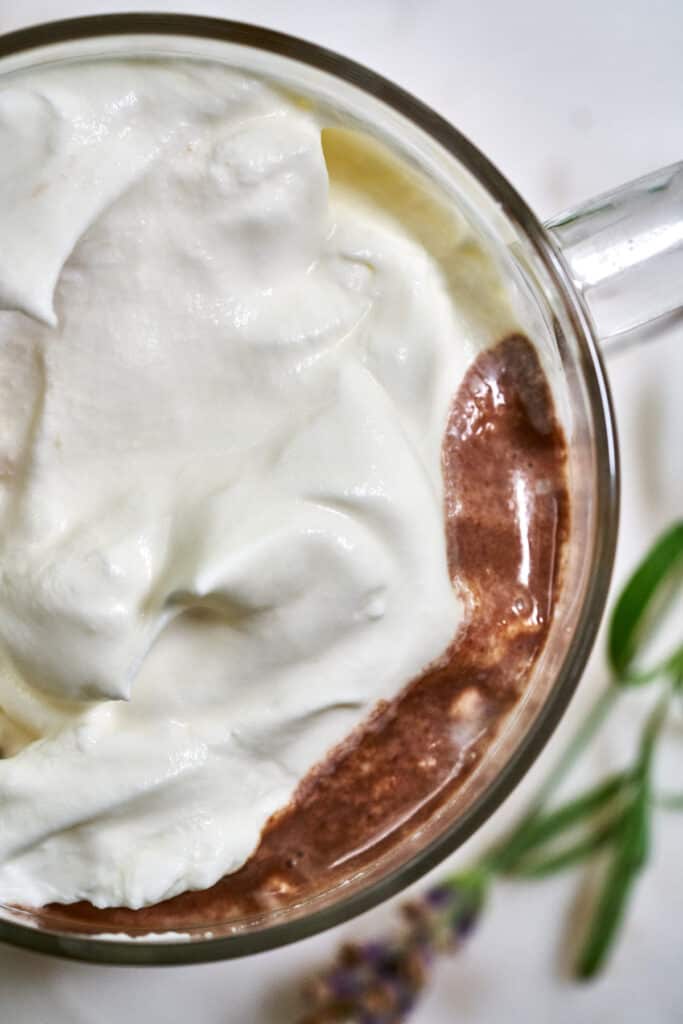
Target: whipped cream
x=225 y=373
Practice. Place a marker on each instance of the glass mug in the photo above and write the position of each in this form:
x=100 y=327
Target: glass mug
x=601 y=271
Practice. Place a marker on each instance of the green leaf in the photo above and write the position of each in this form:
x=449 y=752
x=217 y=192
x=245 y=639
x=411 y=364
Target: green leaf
x=671 y=665
x=629 y=859
x=540 y=829
x=540 y=868
x=627 y=625
x=675 y=668
x=606 y=919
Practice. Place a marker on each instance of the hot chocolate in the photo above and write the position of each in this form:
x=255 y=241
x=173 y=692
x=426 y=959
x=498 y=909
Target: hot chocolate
x=284 y=499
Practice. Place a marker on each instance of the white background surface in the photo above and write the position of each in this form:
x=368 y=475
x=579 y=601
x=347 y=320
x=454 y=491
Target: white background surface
x=568 y=100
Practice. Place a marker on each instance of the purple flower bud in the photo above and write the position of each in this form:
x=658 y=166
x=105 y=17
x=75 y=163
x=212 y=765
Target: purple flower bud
x=376 y=953
x=378 y=982
x=441 y=896
x=465 y=922
x=343 y=983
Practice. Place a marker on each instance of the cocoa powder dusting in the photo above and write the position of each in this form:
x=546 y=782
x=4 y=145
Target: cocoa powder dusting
x=506 y=517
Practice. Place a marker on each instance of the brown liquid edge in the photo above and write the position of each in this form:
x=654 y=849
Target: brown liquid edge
x=502 y=441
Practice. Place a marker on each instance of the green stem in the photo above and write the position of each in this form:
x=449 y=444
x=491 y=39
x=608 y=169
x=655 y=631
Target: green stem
x=653 y=727
x=503 y=852
x=596 y=715
x=670 y=801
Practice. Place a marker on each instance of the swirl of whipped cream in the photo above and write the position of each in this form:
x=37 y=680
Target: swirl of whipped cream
x=224 y=381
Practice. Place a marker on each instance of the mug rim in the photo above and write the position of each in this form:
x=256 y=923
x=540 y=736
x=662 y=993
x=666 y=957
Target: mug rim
x=606 y=496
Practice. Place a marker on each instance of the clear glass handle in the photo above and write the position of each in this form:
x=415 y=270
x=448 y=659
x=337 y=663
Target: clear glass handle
x=624 y=252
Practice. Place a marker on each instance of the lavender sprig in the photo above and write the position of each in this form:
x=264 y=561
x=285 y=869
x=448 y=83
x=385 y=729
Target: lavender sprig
x=380 y=982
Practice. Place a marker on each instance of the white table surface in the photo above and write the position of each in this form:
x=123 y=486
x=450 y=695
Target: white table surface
x=568 y=100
